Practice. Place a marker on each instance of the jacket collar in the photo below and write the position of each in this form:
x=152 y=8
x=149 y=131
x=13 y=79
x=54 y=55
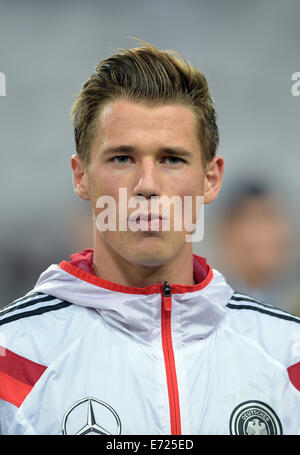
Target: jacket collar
x=196 y=310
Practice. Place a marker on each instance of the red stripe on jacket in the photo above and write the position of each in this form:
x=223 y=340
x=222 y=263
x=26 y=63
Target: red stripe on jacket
x=18 y=375
x=294 y=374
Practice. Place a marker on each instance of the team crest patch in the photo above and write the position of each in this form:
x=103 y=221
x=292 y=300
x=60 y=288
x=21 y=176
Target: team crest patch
x=254 y=418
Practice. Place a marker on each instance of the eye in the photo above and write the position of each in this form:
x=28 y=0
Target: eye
x=121 y=159
x=174 y=160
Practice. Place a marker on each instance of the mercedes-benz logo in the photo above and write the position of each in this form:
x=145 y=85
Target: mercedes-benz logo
x=90 y=425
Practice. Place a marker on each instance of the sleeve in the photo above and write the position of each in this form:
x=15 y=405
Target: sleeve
x=7 y=413
x=18 y=376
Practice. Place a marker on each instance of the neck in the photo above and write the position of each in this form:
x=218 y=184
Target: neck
x=110 y=266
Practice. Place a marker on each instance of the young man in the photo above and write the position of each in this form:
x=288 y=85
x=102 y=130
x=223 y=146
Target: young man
x=138 y=335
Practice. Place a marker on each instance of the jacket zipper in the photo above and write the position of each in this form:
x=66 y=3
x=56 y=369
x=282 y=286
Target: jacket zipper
x=169 y=359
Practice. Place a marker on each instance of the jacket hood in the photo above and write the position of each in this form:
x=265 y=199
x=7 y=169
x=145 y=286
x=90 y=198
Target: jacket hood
x=198 y=309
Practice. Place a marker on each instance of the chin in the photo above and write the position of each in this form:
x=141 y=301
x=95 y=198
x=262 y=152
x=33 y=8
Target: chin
x=148 y=258
x=149 y=262
x=147 y=252
x=150 y=255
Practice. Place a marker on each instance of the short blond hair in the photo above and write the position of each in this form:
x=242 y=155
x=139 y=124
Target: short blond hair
x=151 y=76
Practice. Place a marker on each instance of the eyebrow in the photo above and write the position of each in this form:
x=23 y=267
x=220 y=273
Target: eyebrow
x=129 y=149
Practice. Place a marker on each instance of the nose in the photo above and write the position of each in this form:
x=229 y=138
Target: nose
x=147 y=179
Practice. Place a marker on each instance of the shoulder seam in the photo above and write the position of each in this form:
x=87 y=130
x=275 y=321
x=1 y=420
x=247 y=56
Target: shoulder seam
x=260 y=310
x=26 y=301
x=260 y=307
x=37 y=311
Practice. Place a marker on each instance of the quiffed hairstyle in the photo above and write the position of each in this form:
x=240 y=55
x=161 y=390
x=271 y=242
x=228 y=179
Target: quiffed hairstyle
x=148 y=75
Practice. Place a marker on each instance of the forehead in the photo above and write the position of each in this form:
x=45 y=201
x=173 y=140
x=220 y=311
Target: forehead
x=124 y=120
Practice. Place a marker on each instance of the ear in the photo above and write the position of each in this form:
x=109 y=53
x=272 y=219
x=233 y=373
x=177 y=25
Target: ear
x=213 y=179
x=79 y=177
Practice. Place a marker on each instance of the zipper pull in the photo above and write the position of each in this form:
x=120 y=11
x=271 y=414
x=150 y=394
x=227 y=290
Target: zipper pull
x=167 y=298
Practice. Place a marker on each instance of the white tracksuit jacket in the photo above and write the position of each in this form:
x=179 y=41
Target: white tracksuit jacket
x=81 y=355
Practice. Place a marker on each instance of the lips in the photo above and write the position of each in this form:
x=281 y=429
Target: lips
x=144 y=217
x=148 y=217
x=145 y=222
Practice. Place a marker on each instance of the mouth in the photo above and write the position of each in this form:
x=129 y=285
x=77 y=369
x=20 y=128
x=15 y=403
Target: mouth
x=148 y=217
x=145 y=217
x=147 y=221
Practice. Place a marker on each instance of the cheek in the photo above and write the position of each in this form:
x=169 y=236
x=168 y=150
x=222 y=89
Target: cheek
x=107 y=196
x=103 y=184
x=187 y=188
x=189 y=184
x=192 y=198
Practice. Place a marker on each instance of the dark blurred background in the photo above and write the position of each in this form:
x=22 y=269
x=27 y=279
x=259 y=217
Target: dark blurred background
x=248 y=51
